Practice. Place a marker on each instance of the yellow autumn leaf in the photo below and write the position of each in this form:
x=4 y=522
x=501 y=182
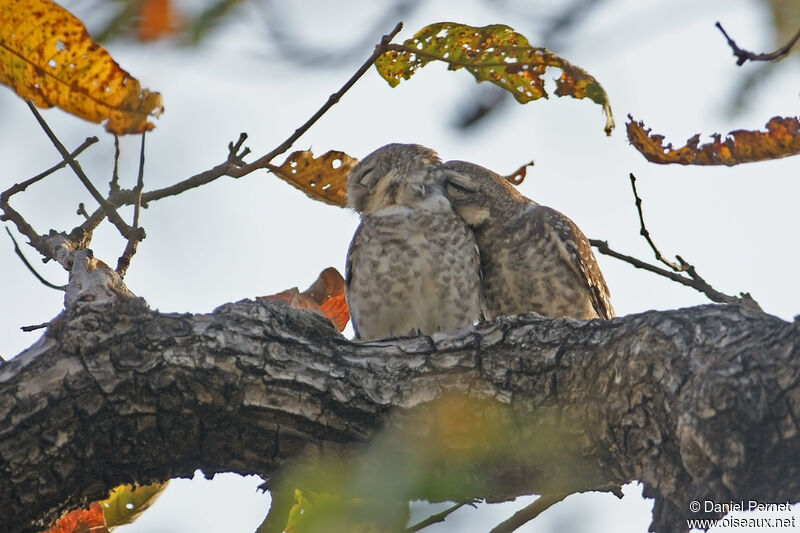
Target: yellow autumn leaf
x=494 y=53
x=323 y=178
x=47 y=56
x=127 y=502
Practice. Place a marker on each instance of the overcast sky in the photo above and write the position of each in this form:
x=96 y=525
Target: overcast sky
x=662 y=62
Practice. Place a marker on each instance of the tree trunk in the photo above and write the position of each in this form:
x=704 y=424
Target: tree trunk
x=699 y=404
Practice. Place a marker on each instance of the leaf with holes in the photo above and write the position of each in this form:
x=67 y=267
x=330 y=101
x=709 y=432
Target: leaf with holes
x=494 y=53
x=781 y=139
x=518 y=176
x=323 y=178
x=47 y=56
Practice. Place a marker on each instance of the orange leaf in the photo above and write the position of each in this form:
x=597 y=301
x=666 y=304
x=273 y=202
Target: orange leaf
x=47 y=56
x=323 y=178
x=81 y=521
x=519 y=175
x=325 y=296
x=781 y=139
x=156 y=20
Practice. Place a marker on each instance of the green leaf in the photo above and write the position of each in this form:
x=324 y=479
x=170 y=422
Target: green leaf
x=126 y=503
x=494 y=53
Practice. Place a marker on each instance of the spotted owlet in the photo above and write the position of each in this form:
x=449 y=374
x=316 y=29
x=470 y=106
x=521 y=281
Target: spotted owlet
x=533 y=258
x=413 y=266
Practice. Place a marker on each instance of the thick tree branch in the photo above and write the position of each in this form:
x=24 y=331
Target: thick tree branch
x=700 y=403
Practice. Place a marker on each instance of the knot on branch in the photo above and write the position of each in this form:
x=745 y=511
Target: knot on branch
x=91 y=280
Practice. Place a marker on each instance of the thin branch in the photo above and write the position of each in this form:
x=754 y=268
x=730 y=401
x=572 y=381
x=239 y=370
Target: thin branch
x=528 y=513
x=18 y=251
x=108 y=207
x=438 y=517
x=36 y=326
x=82 y=210
x=380 y=49
x=235 y=160
x=234 y=166
x=19 y=187
x=133 y=240
x=744 y=55
x=695 y=281
x=646 y=234
x=113 y=185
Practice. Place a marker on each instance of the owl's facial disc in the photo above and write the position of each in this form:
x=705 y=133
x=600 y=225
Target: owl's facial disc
x=465 y=196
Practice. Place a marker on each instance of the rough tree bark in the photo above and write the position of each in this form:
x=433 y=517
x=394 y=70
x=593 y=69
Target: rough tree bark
x=699 y=403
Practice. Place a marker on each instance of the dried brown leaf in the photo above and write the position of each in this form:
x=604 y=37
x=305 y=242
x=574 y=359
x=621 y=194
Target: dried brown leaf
x=323 y=178
x=325 y=296
x=781 y=139
x=518 y=176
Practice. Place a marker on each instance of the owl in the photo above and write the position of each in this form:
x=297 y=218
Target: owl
x=533 y=258
x=413 y=266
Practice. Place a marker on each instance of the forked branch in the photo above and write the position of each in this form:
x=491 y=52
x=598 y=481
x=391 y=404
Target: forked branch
x=681 y=272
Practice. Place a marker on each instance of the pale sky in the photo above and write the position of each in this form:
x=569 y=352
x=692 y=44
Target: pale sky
x=663 y=62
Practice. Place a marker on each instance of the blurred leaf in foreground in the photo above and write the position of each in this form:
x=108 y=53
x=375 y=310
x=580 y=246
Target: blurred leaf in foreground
x=494 y=53
x=127 y=502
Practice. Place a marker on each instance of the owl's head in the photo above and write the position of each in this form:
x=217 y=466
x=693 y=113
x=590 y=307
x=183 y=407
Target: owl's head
x=396 y=174
x=477 y=194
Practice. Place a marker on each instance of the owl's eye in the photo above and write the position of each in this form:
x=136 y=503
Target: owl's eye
x=457 y=187
x=363 y=179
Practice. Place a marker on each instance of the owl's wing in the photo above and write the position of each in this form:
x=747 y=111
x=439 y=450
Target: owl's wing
x=577 y=253
x=348 y=270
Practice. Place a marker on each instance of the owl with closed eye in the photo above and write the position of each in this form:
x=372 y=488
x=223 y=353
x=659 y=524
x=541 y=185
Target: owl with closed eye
x=412 y=266
x=533 y=258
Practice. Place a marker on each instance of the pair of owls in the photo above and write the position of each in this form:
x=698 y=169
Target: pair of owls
x=442 y=245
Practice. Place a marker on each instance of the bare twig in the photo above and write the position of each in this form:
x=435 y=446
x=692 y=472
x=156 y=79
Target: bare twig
x=380 y=49
x=234 y=166
x=108 y=207
x=133 y=241
x=18 y=251
x=19 y=187
x=529 y=512
x=82 y=210
x=438 y=517
x=113 y=185
x=36 y=326
x=694 y=279
x=646 y=234
x=744 y=55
